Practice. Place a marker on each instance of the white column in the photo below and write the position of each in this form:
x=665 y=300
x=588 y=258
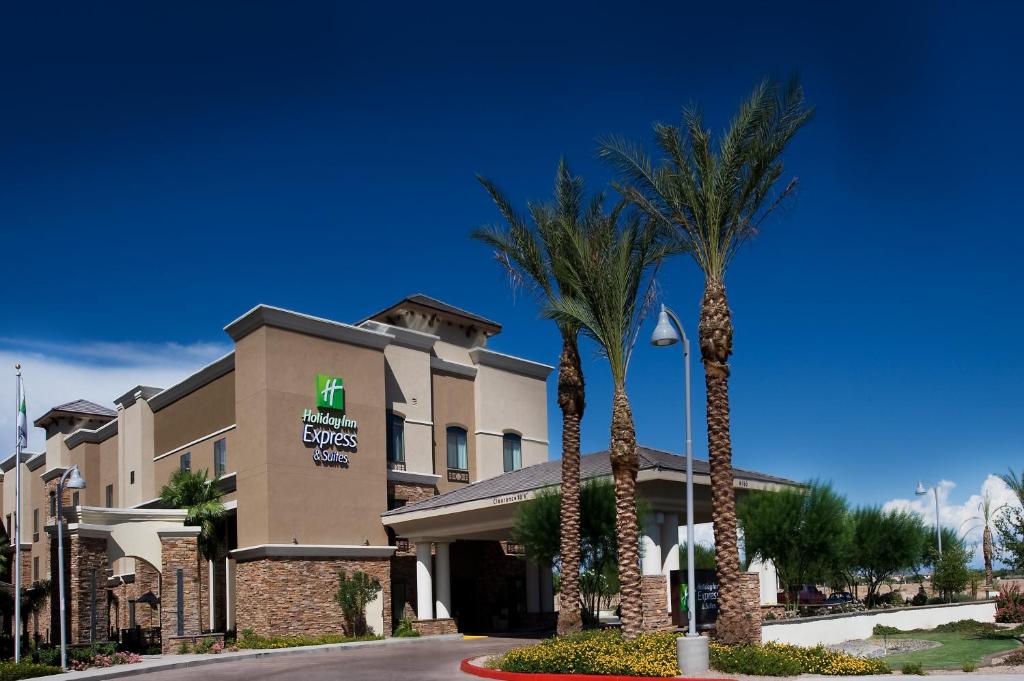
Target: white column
x=670 y=552
x=209 y=566
x=532 y=587
x=547 y=589
x=651 y=546
x=442 y=579
x=424 y=582
x=229 y=621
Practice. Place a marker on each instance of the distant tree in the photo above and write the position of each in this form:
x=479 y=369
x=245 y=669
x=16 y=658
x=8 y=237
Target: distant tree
x=703 y=556
x=884 y=543
x=353 y=594
x=930 y=549
x=1010 y=525
x=950 y=574
x=803 y=531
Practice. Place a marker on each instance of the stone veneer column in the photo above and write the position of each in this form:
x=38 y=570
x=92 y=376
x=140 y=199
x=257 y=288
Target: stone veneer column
x=179 y=553
x=86 y=599
x=750 y=587
x=424 y=582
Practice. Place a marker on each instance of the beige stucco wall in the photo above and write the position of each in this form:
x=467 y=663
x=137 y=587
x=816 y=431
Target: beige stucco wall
x=509 y=402
x=453 y=406
x=135 y=451
x=276 y=374
x=408 y=393
x=195 y=415
x=202 y=458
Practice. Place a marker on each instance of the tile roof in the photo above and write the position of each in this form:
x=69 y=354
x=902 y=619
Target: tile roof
x=549 y=473
x=440 y=306
x=85 y=407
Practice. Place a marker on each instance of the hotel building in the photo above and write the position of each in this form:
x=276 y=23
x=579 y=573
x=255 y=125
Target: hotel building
x=400 y=446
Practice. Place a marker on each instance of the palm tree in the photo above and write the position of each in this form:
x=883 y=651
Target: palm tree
x=611 y=271
x=714 y=198
x=988 y=512
x=200 y=497
x=528 y=254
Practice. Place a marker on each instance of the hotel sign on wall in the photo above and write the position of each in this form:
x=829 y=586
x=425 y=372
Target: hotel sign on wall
x=328 y=431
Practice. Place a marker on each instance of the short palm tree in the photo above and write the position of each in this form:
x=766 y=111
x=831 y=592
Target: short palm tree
x=714 y=198
x=200 y=496
x=610 y=266
x=988 y=512
x=528 y=254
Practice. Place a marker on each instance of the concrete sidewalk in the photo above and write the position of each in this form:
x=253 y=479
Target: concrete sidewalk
x=159 y=663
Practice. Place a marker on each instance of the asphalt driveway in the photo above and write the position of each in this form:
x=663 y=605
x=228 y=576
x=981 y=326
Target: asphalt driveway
x=426 y=660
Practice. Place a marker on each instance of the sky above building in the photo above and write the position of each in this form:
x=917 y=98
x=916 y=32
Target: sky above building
x=167 y=167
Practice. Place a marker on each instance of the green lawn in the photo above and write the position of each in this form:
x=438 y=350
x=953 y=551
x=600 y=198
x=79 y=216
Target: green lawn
x=957 y=649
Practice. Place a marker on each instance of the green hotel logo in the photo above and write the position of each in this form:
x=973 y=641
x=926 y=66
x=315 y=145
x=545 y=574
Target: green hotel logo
x=330 y=393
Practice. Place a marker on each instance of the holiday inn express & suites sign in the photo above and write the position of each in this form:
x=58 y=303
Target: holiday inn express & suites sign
x=328 y=432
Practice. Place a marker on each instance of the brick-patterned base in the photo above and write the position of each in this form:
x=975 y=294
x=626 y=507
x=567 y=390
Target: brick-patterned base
x=435 y=627
x=87 y=589
x=654 y=594
x=296 y=595
x=179 y=553
x=751 y=587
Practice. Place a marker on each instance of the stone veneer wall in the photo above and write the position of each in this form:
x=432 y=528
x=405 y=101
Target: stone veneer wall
x=435 y=627
x=654 y=596
x=750 y=585
x=179 y=553
x=291 y=596
x=87 y=560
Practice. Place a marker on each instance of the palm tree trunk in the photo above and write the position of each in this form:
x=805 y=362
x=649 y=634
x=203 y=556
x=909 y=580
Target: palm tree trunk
x=571 y=401
x=625 y=464
x=715 y=335
x=986 y=550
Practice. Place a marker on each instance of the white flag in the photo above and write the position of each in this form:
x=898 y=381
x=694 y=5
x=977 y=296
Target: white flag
x=22 y=416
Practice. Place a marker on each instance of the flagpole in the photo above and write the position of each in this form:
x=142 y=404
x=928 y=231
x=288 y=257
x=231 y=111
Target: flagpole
x=17 y=517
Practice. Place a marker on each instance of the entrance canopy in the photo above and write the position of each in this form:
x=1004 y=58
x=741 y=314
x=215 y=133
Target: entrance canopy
x=486 y=509
x=131 y=531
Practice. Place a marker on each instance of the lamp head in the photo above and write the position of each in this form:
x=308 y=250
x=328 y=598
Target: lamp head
x=919 y=490
x=664 y=333
x=75 y=479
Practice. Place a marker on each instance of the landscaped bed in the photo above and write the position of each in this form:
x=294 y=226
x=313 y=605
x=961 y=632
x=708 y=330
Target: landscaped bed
x=964 y=643
x=607 y=653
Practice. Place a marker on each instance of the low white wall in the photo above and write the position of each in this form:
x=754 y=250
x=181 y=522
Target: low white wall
x=829 y=629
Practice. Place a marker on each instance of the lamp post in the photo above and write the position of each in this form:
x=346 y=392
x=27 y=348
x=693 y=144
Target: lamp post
x=71 y=479
x=692 y=649
x=920 y=491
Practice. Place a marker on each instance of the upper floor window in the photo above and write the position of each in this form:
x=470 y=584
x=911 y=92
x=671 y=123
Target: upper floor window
x=186 y=461
x=131 y=478
x=74 y=499
x=35 y=524
x=53 y=504
x=512 y=448
x=220 y=457
x=458 y=457
x=110 y=496
x=396 y=438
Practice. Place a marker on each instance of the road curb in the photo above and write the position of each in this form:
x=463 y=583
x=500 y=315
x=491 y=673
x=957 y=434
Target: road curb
x=122 y=671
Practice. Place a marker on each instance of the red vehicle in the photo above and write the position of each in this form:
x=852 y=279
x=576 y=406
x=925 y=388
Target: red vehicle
x=808 y=595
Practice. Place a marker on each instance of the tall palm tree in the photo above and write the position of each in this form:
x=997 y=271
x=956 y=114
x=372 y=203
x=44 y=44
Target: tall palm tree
x=987 y=516
x=714 y=197
x=200 y=496
x=610 y=266
x=528 y=254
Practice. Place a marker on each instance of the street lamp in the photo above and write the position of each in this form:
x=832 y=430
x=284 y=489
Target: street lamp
x=692 y=649
x=71 y=479
x=921 y=491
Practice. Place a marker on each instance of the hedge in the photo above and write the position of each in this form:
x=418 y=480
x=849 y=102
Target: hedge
x=10 y=671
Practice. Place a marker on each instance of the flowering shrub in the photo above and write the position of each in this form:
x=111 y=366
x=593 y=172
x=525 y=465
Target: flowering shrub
x=104 y=660
x=1010 y=604
x=779 y=659
x=654 y=654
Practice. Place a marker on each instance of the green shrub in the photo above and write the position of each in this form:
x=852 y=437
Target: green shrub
x=969 y=667
x=883 y=630
x=352 y=595
x=204 y=645
x=9 y=671
x=184 y=648
x=255 y=642
x=405 y=630
x=967 y=627
x=755 y=661
x=912 y=668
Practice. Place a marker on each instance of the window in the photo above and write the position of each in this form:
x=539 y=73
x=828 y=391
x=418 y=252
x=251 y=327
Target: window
x=75 y=499
x=220 y=457
x=35 y=569
x=53 y=504
x=10 y=529
x=395 y=503
x=35 y=524
x=110 y=496
x=457 y=455
x=396 y=439
x=186 y=461
x=131 y=478
x=512 y=447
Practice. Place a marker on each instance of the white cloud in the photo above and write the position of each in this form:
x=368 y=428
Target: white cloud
x=55 y=373
x=965 y=518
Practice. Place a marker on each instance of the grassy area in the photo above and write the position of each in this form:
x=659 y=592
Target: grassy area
x=958 y=648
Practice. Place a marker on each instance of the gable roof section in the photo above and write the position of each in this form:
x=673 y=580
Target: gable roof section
x=425 y=303
x=549 y=473
x=75 y=408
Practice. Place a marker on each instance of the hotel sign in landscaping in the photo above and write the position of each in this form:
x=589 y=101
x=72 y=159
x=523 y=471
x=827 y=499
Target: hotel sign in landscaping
x=332 y=437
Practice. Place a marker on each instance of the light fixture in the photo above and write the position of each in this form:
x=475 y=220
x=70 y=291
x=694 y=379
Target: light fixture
x=920 y=490
x=664 y=333
x=75 y=480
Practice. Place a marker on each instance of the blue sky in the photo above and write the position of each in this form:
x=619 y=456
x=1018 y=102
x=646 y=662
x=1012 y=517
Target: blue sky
x=165 y=168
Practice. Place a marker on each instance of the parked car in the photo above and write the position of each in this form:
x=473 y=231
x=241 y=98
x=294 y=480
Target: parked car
x=839 y=598
x=808 y=595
